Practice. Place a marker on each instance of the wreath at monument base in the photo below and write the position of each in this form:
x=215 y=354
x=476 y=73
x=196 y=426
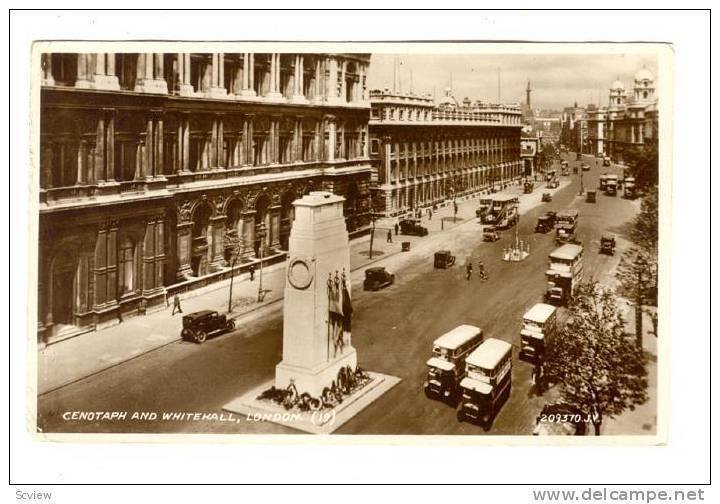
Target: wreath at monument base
x=347 y=382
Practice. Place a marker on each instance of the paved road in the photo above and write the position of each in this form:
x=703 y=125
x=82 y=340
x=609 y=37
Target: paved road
x=392 y=331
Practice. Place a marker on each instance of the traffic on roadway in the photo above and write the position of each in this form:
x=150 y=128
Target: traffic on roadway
x=396 y=326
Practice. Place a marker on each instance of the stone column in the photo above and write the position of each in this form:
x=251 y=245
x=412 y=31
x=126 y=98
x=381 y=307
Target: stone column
x=46 y=69
x=343 y=82
x=83 y=71
x=247 y=75
x=150 y=77
x=183 y=231
x=274 y=92
x=217 y=80
x=185 y=87
x=330 y=138
x=331 y=91
x=251 y=74
x=318 y=91
x=298 y=96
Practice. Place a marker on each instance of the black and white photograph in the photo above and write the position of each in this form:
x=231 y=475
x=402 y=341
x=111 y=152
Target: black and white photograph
x=359 y=247
x=270 y=242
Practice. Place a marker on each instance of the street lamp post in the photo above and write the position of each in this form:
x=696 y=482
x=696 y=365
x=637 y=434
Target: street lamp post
x=261 y=232
x=582 y=187
x=373 y=216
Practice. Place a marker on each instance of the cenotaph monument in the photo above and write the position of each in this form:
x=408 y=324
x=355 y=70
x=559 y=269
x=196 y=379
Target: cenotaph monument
x=318 y=385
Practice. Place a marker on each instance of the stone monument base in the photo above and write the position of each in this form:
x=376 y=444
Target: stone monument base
x=313 y=380
x=324 y=421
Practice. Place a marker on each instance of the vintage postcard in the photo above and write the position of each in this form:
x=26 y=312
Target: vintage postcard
x=465 y=241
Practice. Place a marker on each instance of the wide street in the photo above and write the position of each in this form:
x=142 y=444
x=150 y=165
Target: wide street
x=393 y=330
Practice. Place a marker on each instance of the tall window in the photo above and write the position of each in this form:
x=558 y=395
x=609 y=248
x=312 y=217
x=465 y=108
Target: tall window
x=126 y=266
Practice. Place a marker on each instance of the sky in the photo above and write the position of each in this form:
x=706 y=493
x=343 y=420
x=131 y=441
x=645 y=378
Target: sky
x=557 y=80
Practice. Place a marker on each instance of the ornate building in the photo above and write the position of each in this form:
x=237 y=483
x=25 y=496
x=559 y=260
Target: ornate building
x=155 y=169
x=628 y=122
x=426 y=154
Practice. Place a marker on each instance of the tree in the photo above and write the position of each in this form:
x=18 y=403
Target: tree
x=638 y=268
x=643 y=163
x=645 y=226
x=600 y=370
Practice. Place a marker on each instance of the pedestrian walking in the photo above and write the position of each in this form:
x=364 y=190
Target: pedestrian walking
x=165 y=295
x=468 y=269
x=397 y=228
x=537 y=377
x=481 y=271
x=389 y=235
x=176 y=304
x=251 y=270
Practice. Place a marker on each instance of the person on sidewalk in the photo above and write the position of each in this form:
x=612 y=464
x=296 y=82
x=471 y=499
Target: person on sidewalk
x=176 y=304
x=468 y=269
x=389 y=235
x=251 y=270
x=167 y=301
x=397 y=228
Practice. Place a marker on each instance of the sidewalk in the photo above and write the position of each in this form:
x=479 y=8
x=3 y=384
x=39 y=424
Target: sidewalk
x=70 y=360
x=643 y=419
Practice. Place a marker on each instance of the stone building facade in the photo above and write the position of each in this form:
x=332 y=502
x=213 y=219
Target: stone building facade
x=157 y=169
x=628 y=122
x=426 y=154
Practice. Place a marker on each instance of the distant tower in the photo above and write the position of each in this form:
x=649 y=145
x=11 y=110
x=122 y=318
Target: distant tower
x=527 y=95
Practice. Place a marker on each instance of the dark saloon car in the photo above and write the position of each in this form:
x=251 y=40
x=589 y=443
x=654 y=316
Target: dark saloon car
x=377 y=278
x=545 y=223
x=199 y=325
x=444 y=259
x=412 y=227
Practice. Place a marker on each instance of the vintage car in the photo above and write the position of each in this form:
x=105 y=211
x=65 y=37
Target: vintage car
x=528 y=187
x=444 y=259
x=578 y=156
x=606 y=161
x=585 y=167
x=575 y=169
x=607 y=245
x=546 y=197
x=545 y=223
x=413 y=227
x=560 y=420
x=376 y=278
x=553 y=184
x=199 y=325
x=591 y=197
x=490 y=234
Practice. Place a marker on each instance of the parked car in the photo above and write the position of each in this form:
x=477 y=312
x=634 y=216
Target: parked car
x=199 y=325
x=376 y=278
x=607 y=245
x=591 y=197
x=528 y=187
x=490 y=234
x=444 y=259
x=546 y=197
x=412 y=227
